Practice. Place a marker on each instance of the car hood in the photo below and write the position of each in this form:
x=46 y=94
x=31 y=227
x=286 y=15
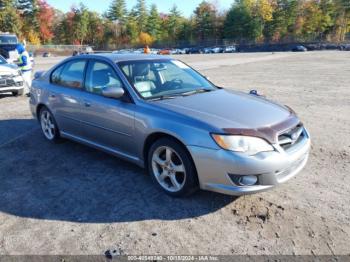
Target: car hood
x=8 y=69
x=228 y=109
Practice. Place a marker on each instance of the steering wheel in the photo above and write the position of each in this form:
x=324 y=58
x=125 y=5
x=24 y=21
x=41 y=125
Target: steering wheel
x=176 y=83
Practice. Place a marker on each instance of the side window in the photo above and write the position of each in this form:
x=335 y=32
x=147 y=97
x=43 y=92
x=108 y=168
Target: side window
x=56 y=75
x=100 y=75
x=72 y=74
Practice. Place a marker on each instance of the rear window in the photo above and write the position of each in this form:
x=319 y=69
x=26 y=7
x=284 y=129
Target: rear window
x=70 y=74
x=8 y=39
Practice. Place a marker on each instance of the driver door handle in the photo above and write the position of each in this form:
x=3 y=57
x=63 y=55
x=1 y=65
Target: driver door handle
x=87 y=103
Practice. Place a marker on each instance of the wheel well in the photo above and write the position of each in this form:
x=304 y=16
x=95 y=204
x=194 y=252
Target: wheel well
x=153 y=138
x=38 y=108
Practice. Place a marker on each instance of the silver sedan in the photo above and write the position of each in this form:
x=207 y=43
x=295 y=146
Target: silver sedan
x=162 y=115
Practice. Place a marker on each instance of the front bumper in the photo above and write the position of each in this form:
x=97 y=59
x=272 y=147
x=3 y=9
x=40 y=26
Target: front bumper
x=12 y=84
x=217 y=168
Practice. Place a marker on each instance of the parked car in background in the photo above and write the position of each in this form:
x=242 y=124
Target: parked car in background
x=178 y=51
x=229 y=49
x=299 y=48
x=207 y=50
x=154 y=51
x=182 y=51
x=83 y=51
x=159 y=113
x=138 y=51
x=194 y=50
x=11 y=80
x=164 y=52
x=48 y=54
x=216 y=50
x=122 y=51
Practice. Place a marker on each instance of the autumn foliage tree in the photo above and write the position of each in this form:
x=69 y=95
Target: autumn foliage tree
x=253 y=21
x=145 y=39
x=45 y=18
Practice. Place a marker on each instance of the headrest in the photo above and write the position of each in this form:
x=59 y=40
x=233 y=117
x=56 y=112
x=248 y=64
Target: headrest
x=141 y=69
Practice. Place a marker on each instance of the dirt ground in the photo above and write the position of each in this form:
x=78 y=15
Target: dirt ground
x=71 y=199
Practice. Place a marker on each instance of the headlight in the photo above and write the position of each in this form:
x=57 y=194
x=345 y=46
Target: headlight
x=245 y=144
x=17 y=73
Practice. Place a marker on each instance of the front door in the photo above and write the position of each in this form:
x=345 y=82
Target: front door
x=108 y=122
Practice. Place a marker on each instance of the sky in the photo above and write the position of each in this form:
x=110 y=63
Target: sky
x=186 y=6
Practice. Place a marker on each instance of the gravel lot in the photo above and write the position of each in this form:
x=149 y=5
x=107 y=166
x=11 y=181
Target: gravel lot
x=71 y=199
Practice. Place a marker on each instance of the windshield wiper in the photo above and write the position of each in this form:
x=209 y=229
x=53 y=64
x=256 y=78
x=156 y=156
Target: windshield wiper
x=192 y=92
x=172 y=96
x=162 y=97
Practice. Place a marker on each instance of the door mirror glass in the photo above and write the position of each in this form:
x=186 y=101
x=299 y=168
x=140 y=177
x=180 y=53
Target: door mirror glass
x=113 y=92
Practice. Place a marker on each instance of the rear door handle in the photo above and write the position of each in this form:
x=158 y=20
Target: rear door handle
x=52 y=95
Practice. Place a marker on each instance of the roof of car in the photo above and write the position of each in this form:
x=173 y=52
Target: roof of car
x=129 y=57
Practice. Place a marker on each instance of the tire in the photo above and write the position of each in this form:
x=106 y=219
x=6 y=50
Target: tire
x=48 y=125
x=18 y=92
x=171 y=168
x=21 y=92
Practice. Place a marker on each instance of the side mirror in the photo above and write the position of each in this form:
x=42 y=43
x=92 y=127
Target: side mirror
x=39 y=74
x=113 y=92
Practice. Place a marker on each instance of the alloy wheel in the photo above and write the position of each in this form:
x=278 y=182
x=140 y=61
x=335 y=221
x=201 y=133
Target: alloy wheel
x=169 y=169
x=47 y=125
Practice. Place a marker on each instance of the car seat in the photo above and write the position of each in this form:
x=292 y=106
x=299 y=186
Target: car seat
x=140 y=78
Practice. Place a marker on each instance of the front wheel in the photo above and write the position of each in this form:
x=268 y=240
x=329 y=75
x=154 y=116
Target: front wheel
x=48 y=125
x=18 y=93
x=172 y=168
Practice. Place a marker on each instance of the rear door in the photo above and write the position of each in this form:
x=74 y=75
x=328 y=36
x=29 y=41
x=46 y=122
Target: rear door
x=66 y=95
x=108 y=122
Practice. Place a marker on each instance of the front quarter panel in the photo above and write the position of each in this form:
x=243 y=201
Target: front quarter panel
x=150 y=119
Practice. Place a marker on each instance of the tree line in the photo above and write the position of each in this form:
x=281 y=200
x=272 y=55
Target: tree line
x=249 y=21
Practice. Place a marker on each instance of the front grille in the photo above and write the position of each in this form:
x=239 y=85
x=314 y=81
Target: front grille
x=292 y=137
x=7 y=82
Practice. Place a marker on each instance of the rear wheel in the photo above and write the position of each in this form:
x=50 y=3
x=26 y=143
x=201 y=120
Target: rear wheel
x=171 y=167
x=48 y=125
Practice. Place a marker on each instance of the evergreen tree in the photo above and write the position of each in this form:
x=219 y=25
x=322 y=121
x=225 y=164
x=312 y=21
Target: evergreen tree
x=154 y=23
x=240 y=23
x=29 y=10
x=205 y=15
x=81 y=23
x=141 y=14
x=132 y=27
x=117 y=11
x=284 y=23
x=174 y=22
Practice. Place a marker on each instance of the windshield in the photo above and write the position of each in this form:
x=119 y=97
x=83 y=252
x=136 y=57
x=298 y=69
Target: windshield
x=2 y=60
x=164 y=78
x=8 y=39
